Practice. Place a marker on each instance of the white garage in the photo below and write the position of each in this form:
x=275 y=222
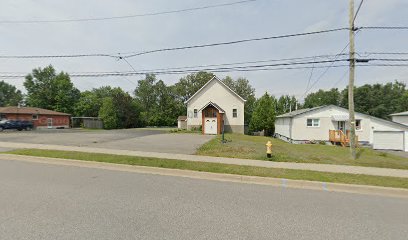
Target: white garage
x=390 y=140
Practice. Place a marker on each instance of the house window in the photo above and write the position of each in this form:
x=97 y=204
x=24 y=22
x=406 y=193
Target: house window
x=313 y=122
x=35 y=116
x=3 y=116
x=358 y=124
x=234 y=113
x=195 y=113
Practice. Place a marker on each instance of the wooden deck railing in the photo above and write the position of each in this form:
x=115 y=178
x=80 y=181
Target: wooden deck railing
x=338 y=136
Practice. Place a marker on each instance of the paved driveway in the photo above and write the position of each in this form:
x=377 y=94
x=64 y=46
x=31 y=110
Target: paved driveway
x=126 y=139
x=398 y=153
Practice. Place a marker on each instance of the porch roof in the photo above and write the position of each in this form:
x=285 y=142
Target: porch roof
x=214 y=105
x=340 y=118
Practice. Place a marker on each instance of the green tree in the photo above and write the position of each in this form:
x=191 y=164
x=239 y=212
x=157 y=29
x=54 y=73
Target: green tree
x=126 y=109
x=46 y=89
x=244 y=89
x=160 y=104
x=167 y=108
x=263 y=117
x=88 y=105
x=404 y=102
x=322 y=97
x=9 y=95
x=286 y=104
x=187 y=86
x=108 y=114
x=99 y=102
x=379 y=100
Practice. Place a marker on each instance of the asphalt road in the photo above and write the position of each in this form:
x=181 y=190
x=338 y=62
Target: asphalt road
x=40 y=201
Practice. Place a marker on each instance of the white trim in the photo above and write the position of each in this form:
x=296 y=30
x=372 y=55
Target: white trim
x=313 y=122
x=236 y=111
x=361 y=125
x=216 y=78
x=400 y=114
x=214 y=105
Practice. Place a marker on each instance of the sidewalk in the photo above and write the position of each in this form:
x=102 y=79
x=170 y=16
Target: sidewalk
x=244 y=162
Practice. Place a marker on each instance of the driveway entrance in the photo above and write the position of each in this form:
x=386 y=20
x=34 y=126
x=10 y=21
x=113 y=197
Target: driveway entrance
x=126 y=139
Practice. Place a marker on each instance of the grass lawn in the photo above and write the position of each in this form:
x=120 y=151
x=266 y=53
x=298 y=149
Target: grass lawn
x=222 y=168
x=253 y=147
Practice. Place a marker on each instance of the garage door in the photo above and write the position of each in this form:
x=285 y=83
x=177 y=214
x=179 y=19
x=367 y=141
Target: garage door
x=389 y=140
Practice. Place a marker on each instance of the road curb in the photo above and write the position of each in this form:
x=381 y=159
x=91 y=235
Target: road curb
x=276 y=182
x=374 y=171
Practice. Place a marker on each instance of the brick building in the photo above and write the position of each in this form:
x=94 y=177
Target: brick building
x=41 y=118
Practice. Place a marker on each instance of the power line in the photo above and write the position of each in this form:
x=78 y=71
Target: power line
x=358 y=10
x=188 y=47
x=130 y=65
x=226 y=68
x=215 y=70
x=113 y=74
x=58 y=56
x=222 y=69
x=386 y=27
x=237 y=67
x=236 y=42
x=385 y=59
x=125 y=16
x=384 y=65
x=310 y=77
x=327 y=56
x=340 y=79
x=324 y=72
x=120 y=55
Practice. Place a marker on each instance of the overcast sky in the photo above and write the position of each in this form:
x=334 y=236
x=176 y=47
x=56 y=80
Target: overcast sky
x=250 y=20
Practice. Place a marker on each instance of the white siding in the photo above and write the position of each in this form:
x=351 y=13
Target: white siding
x=300 y=131
x=406 y=141
x=400 y=119
x=217 y=93
x=282 y=127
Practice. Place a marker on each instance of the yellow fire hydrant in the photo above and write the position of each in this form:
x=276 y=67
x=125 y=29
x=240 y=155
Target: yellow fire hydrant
x=269 y=149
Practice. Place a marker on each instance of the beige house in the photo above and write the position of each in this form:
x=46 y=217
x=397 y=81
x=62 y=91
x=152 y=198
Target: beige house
x=216 y=107
x=400 y=117
x=317 y=124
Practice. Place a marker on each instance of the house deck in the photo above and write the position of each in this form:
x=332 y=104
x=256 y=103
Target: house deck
x=339 y=137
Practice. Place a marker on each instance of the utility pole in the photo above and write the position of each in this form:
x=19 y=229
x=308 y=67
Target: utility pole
x=352 y=60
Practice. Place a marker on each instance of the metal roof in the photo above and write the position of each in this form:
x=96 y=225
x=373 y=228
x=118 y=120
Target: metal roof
x=298 y=112
x=400 y=114
x=182 y=118
x=217 y=79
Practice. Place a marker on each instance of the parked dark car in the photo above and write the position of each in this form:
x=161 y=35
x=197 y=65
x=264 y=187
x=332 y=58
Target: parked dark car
x=16 y=124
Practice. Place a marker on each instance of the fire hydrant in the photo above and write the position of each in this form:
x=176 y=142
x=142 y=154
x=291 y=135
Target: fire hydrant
x=269 y=149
